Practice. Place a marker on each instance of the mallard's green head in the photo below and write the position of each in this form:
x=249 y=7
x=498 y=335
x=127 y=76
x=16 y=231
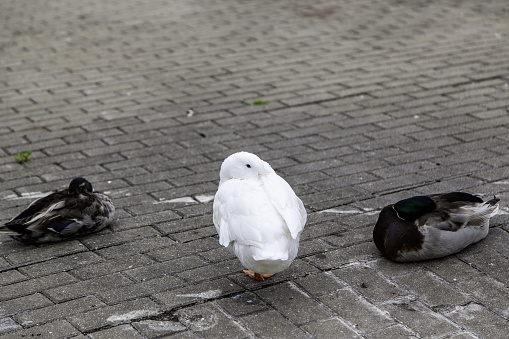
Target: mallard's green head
x=414 y=208
x=80 y=185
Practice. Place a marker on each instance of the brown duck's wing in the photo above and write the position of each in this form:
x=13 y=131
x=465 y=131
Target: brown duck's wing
x=57 y=212
x=38 y=205
x=20 y=222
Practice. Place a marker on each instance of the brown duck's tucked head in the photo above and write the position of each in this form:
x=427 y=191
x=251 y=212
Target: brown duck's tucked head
x=414 y=208
x=80 y=185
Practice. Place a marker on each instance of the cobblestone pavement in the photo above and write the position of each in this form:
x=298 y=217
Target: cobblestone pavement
x=359 y=104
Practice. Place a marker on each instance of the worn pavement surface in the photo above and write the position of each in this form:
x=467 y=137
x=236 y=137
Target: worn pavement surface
x=358 y=104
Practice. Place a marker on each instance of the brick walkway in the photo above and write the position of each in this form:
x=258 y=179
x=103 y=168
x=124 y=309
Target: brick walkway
x=368 y=103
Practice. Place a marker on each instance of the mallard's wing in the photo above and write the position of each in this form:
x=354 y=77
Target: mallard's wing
x=233 y=214
x=457 y=209
x=286 y=202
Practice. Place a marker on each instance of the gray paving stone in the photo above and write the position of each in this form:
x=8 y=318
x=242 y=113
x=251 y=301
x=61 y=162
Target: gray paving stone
x=271 y=324
x=7 y=325
x=40 y=284
x=451 y=269
x=330 y=328
x=113 y=315
x=193 y=293
x=58 y=311
x=358 y=313
x=210 y=322
x=242 y=303
x=431 y=289
x=10 y=277
x=420 y=319
x=475 y=317
x=56 y=329
x=149 y=271
x=293 y=303
x=365 y=281
x=21 y=304
x=491 y=263
x=116 y=265
x=393 y=332
x=120 y=332
x=86 y=287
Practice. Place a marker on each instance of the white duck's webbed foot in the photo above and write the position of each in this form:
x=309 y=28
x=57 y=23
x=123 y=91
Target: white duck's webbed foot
x=257 y=276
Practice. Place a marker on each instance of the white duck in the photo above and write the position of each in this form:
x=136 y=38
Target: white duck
x=257 y=215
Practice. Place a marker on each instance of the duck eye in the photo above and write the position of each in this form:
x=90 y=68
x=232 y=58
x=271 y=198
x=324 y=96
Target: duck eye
x=248 y=166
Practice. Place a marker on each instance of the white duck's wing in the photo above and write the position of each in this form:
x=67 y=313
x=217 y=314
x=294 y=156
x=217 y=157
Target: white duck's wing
x=286 y=202
x=233 y=213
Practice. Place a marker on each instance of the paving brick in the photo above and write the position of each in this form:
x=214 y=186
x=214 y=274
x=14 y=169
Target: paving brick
x=441 y=293
x=390 y=184
x=451 y=269
x=420 y=318
x=96 y=269
x=199 y=292
x=475 y=317
x=210 y=322
x=25 y=303
x=122 y=331
x=58 y=311
x=28 y=287
x=302 y=309
x=358 y=313
x=112 y=315
x=337 y=258
x=56 y=329
x=365 y=281
x=330 y=328
x=488 y=291
x=493 y=264
x=86 y=287
x=242 y=303
x=167 y=267
x=10 y=277
x=61 y=264
x=263 y=323
x=135 y=247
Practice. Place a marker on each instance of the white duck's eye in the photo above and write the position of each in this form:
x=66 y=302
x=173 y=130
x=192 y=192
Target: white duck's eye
x=248 y=166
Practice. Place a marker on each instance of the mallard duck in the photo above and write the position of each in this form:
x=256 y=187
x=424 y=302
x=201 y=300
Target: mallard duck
x=427 y=227
x=76 y=210
x=257 y=215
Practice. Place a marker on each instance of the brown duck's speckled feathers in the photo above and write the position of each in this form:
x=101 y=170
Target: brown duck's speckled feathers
x=426 y=227
x=62 y=214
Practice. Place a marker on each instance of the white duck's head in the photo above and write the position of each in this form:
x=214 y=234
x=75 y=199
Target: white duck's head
x=243 y=165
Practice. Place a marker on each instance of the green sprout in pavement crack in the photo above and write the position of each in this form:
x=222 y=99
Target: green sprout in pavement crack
x=260 y=102
x=22 y=156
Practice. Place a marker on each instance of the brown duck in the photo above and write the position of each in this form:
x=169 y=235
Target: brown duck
x=65 y=213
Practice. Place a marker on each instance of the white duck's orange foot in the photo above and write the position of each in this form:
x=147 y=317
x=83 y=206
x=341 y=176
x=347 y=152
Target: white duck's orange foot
x=257 y=276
